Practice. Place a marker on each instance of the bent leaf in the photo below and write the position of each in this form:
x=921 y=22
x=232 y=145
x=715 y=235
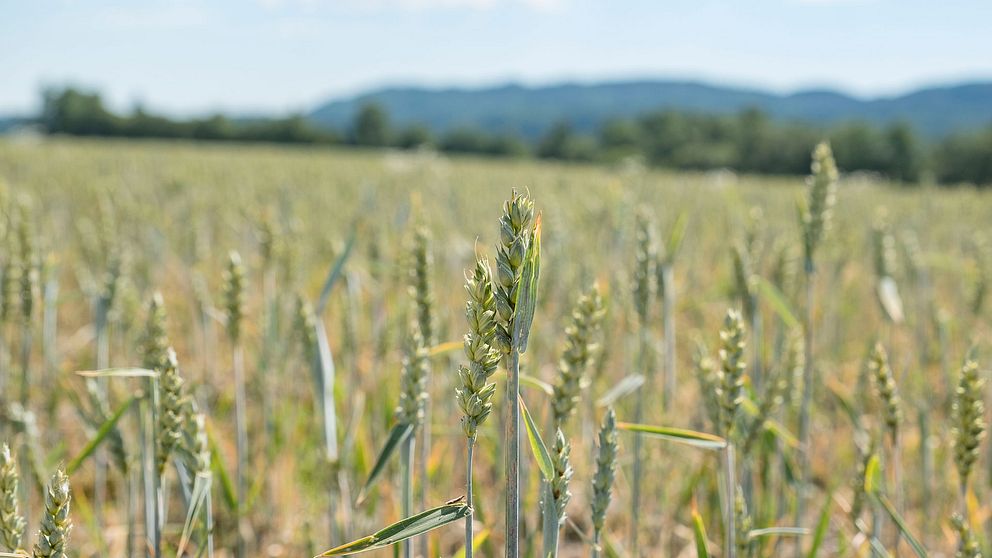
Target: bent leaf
x=119 y=373
x=537 y=444
x=626 y=386
x=679 y=435
x=404 y=529
x=397 y=436
x=777 y=532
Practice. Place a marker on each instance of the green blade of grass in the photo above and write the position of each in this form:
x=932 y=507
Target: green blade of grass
x=821 y=529
x=699 y=534
x=537 y=445
x=399 y=433
x=332 y=277
x=219 y=468
x=101 y=434
x=403 y=529
x=914 y=543
x=778 y=303
x=679 y=435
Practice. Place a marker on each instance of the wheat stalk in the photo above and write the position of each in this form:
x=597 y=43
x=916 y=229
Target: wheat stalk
x=475 y=394
x=645 y=260
x=421 y=290
x=815 y=219
x=516 y=228
x=234 y=294
x=730 y=395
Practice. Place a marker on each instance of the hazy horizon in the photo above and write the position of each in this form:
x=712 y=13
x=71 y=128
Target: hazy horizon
x=185 y=57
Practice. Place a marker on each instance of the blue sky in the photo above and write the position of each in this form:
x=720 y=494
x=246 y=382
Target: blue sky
x=195 y=56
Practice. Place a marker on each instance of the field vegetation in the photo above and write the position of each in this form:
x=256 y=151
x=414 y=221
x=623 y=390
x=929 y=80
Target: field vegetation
x=220 y=349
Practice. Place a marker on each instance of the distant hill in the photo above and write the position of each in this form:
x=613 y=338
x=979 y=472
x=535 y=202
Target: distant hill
x=8 y=123
x=529 y=111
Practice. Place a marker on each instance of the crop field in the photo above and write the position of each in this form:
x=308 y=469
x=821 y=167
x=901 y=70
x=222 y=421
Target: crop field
x=251 y=351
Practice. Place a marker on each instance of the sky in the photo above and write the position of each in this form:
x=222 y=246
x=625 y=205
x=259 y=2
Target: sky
x=187 y=57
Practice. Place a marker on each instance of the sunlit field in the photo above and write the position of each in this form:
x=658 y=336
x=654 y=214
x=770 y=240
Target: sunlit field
x=315 y=300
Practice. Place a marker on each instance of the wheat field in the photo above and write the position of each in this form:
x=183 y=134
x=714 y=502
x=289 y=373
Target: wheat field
x=91 y=230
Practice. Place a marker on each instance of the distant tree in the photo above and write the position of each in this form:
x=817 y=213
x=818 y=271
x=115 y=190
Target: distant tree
x=216 y=127
x=965 y=157
x=906 y=155
x=560 y=142
x=371 y=126
x=72 y=111
x=464 y=140
x=414 y=136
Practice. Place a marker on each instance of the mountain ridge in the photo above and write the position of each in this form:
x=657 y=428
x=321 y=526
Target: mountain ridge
x=528 y=111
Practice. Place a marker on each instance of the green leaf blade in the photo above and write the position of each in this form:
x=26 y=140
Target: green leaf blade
x=403 y=529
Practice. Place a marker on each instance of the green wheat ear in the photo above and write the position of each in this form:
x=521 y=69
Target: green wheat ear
x=731 y=386
x=12 y=524
x=968 y=547
x=511 y=250
x=969 y=418
x=645 y=260
x=475 y=394
x=154 y=341
x=562 y=467
x=413 y=379
x=822 y=195
x=56 y=525
x=420 y=283
x=606 y=466
x=234 y=295
x=885 y=387
x=581 y=342
x=173 y=410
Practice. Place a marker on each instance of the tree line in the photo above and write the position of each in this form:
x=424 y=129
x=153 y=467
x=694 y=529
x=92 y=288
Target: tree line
x=749 y=141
